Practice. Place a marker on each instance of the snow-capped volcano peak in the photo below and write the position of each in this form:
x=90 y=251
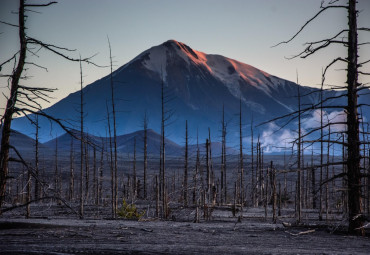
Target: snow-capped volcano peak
x=229 y=71
x=200 y=86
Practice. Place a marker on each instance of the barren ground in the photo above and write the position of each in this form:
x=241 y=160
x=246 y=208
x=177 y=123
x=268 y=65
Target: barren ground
x=66 y=234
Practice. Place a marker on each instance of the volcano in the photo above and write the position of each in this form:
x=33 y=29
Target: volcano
x=197 y=86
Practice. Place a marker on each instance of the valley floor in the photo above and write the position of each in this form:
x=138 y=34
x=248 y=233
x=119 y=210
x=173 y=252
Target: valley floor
x=69 y=235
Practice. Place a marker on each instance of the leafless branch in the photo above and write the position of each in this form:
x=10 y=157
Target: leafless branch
x=40 y=5
x=309 y=21
x=9 y=24
x=34 y=64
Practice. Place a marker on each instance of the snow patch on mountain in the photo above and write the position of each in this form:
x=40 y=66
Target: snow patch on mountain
x=228 y=71
x=157 y=61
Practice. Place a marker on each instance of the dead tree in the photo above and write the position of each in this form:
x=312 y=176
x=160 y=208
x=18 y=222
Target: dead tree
x=356 y=220
x=195 y=176
x=100 y=180
x=241 y=159
x=299 y=189
x=95 y=179
x=87 y=169
x=71 y=174
x=28 y=211
x=37 y=185
x=208 y=191
x=274 y=196
x=186 y=167
x=23 y=99
x=163 y=150
x=134 y=184
x=253 y=189
x=212 y=192
x=114 y=129
x=166 y=114
x=327 y=178
x=111 y=165
x=313 y=182
x=56 y=173
x=241 y=188
x=145 y=153
x=156 y=197
x=223 y=159
x=81 y=144
x=321 y=147
x=352 y=88
x=10 y=106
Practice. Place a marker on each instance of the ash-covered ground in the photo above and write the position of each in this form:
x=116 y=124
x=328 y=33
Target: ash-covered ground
x=62 y=232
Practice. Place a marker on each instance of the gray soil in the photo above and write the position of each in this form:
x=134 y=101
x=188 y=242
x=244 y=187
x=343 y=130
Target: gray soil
x=221 y=235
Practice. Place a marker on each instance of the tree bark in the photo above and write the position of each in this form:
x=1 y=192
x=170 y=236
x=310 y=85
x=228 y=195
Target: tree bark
x=10 y=105
x=353 y=161
x=145 y=153
x=186 y=167
x=81 y=145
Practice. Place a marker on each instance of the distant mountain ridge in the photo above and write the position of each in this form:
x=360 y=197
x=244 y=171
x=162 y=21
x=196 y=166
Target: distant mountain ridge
x=125 y=144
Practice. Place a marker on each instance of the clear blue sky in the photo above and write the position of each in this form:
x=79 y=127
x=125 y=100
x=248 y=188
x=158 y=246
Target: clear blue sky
x=243 y=30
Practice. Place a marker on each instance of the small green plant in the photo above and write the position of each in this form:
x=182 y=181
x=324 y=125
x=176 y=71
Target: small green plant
x=129 y=211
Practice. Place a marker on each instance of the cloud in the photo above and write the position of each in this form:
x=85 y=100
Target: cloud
x=332 y=117
x=275 y=140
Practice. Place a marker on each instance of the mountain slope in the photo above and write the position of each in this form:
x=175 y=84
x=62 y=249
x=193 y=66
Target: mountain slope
x=25 y=145
x=125 y=143
x=197 y=85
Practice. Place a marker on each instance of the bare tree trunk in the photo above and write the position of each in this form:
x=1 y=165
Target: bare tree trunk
x=266 y=200
x=212 y=193
x=208 y=172
x=145 y=153
x=81 y=146
x=279 y=205
x=134 y=172
x=56 y=173
x=22 y=185
x=186 y=167
x=71 y=176
x=111 y=166
x=313 y=179
x=10 y=105
x=321 y=148
x=163 y=154
x=253 y=188
x=274 y=197
x=241 y=189
x=259 y=170
x=100 y=183
x=224 y=163
x=156 y=197
x=114 y=131
x=95 y=179
x=299 y=195
x=28 y=211
x=87 y=171
x=368 y=181
x=344 y=181
x=353 y=161
x=327 y=178
x=285 y=182
x=222 y=155
x=197 y=166
x=37 y=186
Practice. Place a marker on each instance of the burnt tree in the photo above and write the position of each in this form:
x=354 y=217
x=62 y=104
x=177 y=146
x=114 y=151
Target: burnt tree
x=348 y=38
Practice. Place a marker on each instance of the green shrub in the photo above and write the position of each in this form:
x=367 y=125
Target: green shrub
x=129 y=211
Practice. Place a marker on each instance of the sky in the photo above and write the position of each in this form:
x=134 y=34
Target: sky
x=244 y=30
